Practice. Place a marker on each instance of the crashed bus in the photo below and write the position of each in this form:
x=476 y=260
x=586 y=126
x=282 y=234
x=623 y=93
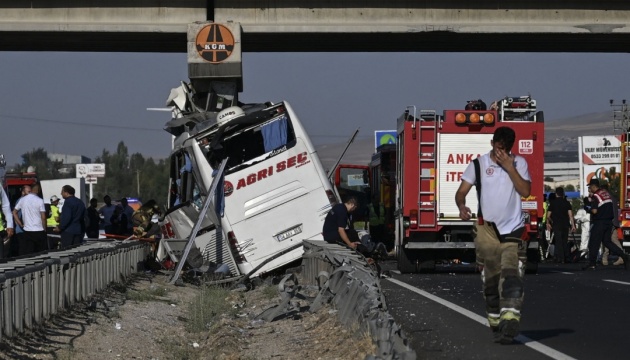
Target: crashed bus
x=274 y=192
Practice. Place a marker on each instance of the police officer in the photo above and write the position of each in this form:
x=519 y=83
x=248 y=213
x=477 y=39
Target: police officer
x=602 y=214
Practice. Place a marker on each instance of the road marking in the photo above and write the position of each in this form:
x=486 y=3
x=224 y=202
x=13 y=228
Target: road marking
x=618 y=282
x=563 y=272
x=545 y=350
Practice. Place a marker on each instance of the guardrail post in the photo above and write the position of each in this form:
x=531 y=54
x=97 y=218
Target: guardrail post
x=3 y=295
x=18 y=302
x=8 y=301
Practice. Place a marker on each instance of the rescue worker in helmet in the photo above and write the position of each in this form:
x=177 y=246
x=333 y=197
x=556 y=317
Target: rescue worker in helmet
x=143 y=227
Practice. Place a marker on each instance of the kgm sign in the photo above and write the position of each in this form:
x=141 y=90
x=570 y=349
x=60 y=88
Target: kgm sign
x=215 y=43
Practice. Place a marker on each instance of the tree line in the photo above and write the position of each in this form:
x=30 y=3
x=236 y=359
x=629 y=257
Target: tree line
x=131 y=176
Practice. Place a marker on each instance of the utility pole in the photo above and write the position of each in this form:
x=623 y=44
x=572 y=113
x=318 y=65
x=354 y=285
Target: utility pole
x=621 y=123
x=621 y=117
x=138 y=183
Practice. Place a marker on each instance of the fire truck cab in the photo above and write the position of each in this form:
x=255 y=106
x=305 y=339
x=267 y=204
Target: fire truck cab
x=14 y=183
x=432 y=152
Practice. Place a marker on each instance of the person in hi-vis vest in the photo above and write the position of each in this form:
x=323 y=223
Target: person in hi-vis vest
x=53 y=219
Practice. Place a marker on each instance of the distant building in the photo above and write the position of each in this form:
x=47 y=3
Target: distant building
x=561 y=157
x=562 y=171
x=563 y=167
x=69 y=161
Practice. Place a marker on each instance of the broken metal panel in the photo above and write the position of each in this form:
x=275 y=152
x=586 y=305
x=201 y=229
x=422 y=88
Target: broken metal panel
x=216 y=249
x=202 y=167
x=288 y=288
x=193 y=233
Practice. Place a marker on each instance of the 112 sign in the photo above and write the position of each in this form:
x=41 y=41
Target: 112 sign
x=525 y=146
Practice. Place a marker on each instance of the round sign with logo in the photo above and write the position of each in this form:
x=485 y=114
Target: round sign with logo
x=387 y=139
x=215 y=43
x=228 y=188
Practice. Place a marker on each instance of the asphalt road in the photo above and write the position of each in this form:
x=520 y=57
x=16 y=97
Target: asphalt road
x=567 y=314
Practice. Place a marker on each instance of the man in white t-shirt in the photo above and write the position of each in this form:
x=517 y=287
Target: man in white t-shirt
x=33 y=222
x=499 y=244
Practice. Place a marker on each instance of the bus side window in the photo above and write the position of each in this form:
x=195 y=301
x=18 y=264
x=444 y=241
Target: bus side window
x=182 y=180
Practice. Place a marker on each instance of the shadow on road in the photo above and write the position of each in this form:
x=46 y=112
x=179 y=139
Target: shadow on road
x=538 y=335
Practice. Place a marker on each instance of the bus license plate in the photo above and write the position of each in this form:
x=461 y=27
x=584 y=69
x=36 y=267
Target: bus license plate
x=289 y=233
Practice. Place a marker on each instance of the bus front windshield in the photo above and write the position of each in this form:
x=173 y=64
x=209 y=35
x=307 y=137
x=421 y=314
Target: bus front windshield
x=248 y=145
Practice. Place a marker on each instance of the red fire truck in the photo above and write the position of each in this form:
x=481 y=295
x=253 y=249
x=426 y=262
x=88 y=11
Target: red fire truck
x=14 y=183
x=432 y=152
x=624 y=193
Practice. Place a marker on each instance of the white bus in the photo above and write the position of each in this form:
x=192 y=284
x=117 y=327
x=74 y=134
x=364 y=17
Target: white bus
x=276 y=192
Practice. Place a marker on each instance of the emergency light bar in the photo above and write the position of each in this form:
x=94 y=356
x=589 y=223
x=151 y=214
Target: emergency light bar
x=474 y=118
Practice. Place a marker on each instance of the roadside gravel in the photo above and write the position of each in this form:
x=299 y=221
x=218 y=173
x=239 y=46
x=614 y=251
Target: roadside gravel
x=147 y=318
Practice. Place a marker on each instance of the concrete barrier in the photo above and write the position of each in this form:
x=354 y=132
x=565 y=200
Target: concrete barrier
x=345 y=280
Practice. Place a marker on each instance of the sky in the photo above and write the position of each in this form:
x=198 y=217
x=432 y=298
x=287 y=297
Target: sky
x=84 y=103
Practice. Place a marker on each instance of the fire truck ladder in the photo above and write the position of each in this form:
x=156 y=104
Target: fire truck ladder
x=517 y=109
x=625 y=170
x=621 y=123
x=427 y=209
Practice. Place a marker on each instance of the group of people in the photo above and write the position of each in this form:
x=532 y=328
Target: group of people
x=604 y=211
x=500 y=237
x=113 y=219
x=499 y=229
x=599 y=224
x=28 y=222
x=33 y=226
x=500 y=241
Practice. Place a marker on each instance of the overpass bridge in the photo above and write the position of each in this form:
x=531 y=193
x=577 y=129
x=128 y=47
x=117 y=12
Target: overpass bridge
x=320 y=26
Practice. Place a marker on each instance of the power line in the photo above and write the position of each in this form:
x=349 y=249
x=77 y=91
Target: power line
x=108 y=126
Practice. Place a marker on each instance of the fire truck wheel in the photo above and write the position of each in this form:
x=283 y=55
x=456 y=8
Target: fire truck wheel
x=533 y=258
x=407 y=261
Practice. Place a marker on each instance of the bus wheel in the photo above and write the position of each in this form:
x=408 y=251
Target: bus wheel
x=406 y=261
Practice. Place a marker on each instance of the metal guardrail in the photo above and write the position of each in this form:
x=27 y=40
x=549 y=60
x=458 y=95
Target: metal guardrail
x=35 y=288
x=345 y=279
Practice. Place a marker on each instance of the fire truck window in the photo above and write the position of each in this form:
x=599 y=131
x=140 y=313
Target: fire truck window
x=352 y=182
